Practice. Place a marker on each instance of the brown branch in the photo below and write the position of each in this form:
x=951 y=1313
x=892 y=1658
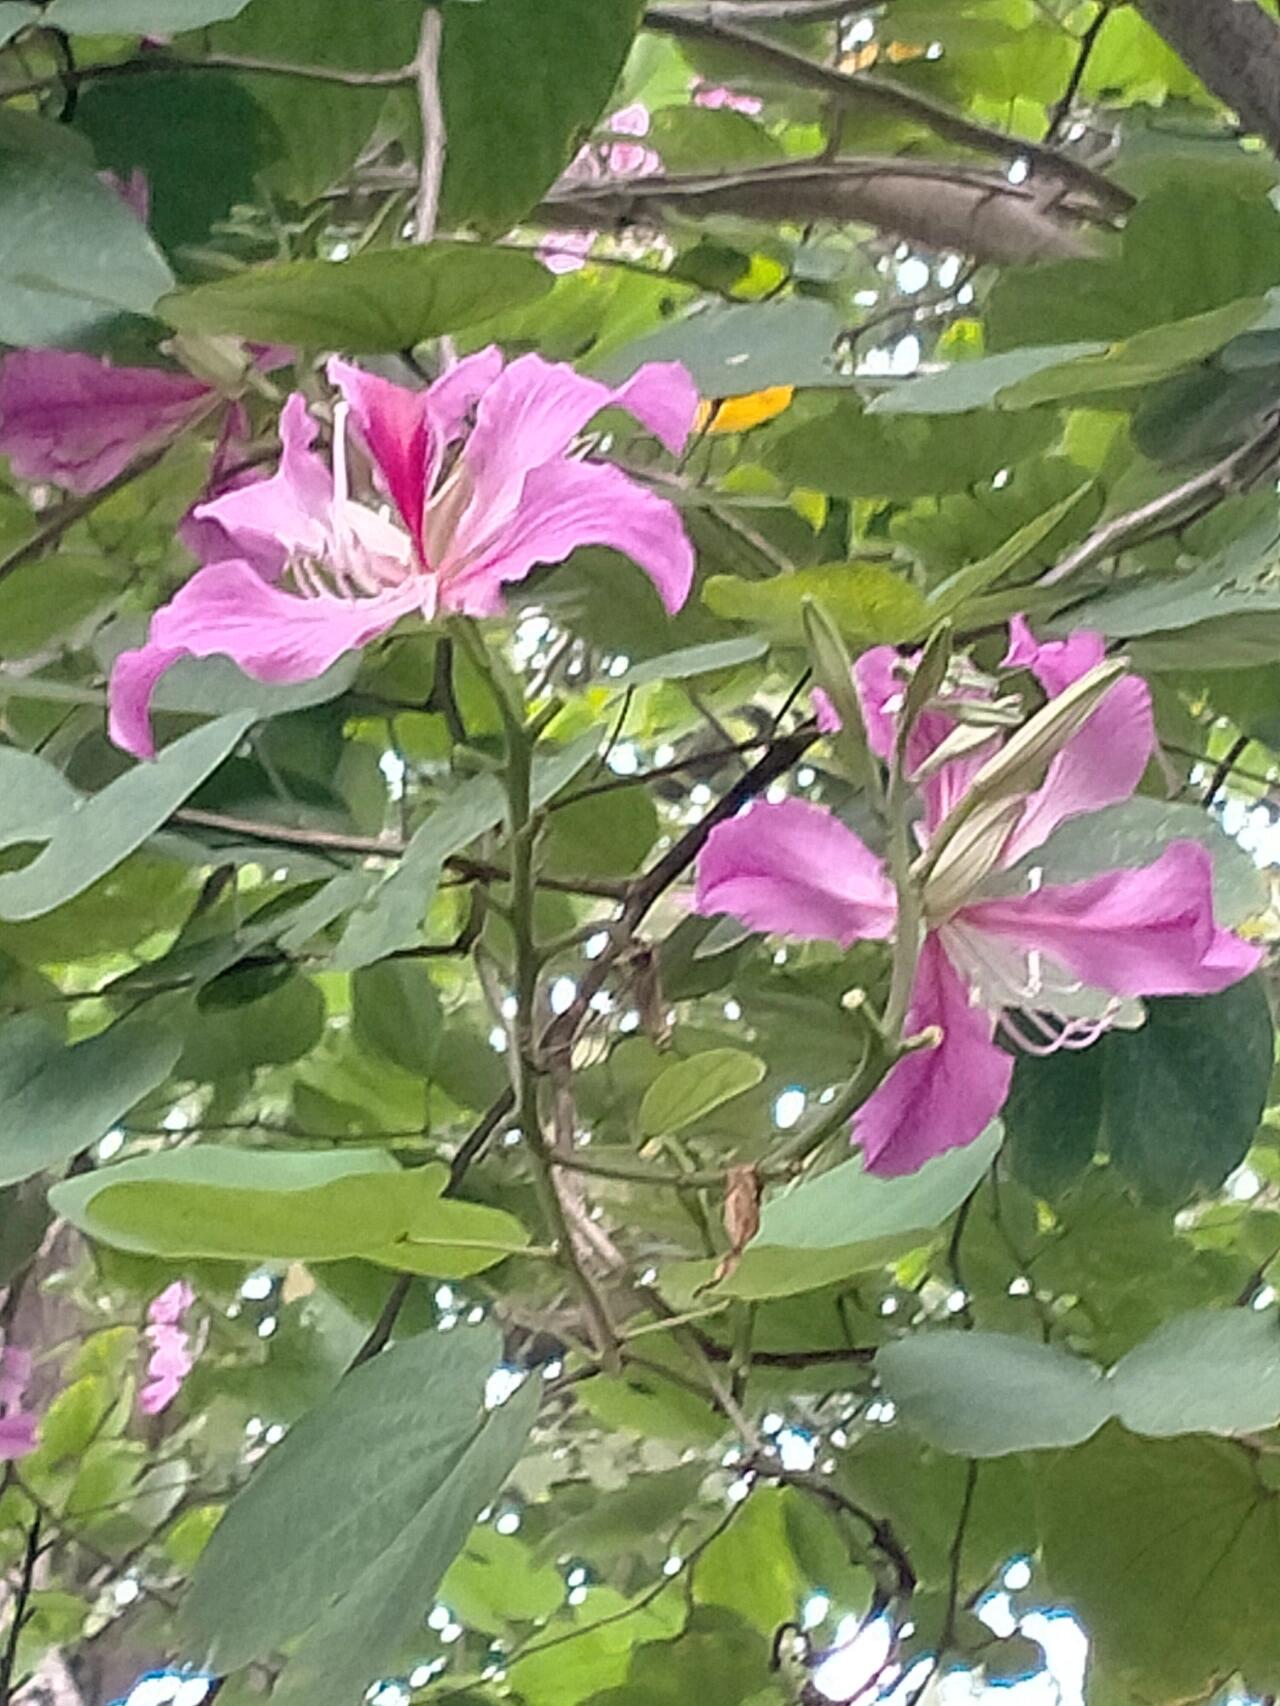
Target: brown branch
x=932 y=203
x=1233 y=46
x=150 y=63
x=865 y=89
x=722 y=12
x=21 y=1600
x=383 y=847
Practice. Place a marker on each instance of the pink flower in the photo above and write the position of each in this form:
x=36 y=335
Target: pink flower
x=716 y=96
x=630 y=121
x=565 y=251
x=171 y=1360
x=17 y=1426
x=1030 y=963
x=479 y=470
x=77 y=421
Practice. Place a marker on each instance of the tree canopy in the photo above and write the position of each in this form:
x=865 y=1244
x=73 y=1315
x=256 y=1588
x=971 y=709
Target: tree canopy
x=639 y=744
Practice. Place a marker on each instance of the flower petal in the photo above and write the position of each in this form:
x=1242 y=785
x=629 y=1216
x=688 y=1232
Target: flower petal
x=15 y=1375
x=266 y=521
x=395 y=425
x=939 y=1098
x=794 y=869
x=534 y=409
x=79 y=422
x=452 y=399
x=1100 y=766
x=17 y=1436
x=1132 y=932
x=566 y=504
x=273 y=635
x=1054 y=663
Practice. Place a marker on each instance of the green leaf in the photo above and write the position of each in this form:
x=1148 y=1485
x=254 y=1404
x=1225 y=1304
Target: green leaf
x=1134 y=833
x=987 y=1394
x=349 y=1578
x=1187 y=248
x=951 y=595
x=1140 y=360
x=1209 y=1371
x=137 y=17
x=693 y=1088
x=691 y=661
x=201 y=139
x=298 y=1205
x=734 y=350
x=56 y=1101
x=867 y=601
x=319 y=127
x=87 y=836
x=16 y=15
x=772 y=1590
x=395 y=1011
x=381 y=300
x=495 y=1581
x=970 y=385
x=851 y=453
x=1053 y=1118
x=72 y=255
x=1184 y=1095
x=1168 y=1552
x=847 y=1221
x=556 y=67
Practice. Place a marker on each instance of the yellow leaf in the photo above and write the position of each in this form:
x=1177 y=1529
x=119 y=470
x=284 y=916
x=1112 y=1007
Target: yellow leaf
x=737 y=414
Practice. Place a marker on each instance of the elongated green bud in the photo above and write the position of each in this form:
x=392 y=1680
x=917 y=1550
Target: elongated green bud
x=1020 y=765
x=833 y=672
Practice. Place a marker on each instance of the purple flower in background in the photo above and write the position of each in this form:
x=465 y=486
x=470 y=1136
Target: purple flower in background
x=1049 y=965
x=17 y=1426
x=717 y=97
x=134 y=191
x=171 y=1360
x=566 y=251
x=481 y=471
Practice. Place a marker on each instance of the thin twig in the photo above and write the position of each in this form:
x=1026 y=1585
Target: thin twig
x=1178 y=507
x=1088 y=41
x=426 y=71
x=865 y=89
x=21 y=1600
x=153 y=63
x=1225 y=765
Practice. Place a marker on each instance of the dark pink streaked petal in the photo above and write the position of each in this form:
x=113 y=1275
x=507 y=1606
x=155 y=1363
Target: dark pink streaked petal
x=78 y=421
x=1131 y=932
x=939 y=1098
x=452 y=399
x=395 y=425
x=793 y=869
x=567 y=504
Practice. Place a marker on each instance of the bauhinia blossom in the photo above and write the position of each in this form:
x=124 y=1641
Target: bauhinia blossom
x=1048 y=965
x=171 y=1359
x=485 y=486
x=17 y=1426
x=566 y=251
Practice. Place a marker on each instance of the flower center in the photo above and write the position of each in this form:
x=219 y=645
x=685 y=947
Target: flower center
x=1039 y=1006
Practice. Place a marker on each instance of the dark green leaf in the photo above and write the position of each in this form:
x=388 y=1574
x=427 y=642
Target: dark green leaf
x=395 y=1011
x=556 y=68
x=349 y=1577
x=1183 y=1095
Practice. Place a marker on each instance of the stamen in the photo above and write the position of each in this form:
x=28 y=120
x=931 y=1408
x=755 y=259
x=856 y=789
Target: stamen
x=341 y=482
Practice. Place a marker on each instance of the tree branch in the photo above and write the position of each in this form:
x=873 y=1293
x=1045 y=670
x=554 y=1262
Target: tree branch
x=1178 y=507
x=934 y=203
x=865 y=89
x=1233 y=46
x=426 y=71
